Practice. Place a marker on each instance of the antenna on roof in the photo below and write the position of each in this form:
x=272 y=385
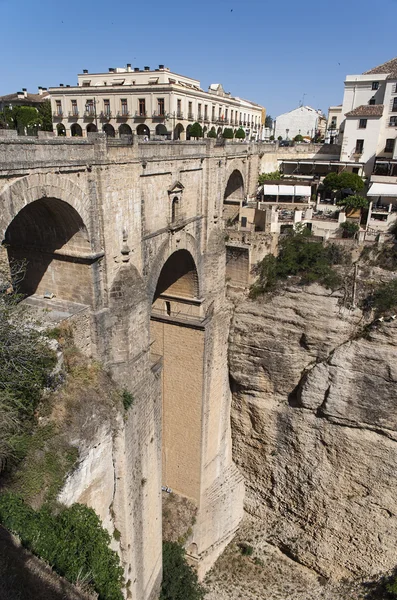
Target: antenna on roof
x=303 y=100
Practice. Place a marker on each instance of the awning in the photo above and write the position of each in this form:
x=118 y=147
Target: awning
x=286 y=190
x=383 y=189
x=270 y=190
x=302 y=190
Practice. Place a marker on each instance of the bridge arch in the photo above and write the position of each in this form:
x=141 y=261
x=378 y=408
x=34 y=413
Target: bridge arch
x=177 y=336
x=233 y=196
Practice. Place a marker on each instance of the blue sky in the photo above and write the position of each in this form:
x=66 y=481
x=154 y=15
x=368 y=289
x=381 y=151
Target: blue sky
x=276 y=54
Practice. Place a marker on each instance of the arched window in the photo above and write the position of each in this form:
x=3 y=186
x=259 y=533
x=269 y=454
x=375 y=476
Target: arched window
x=76 y=130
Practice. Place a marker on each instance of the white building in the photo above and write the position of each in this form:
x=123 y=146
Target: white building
x=370 y=112
x=148 y=103
x=334 y=121
x=304 y=120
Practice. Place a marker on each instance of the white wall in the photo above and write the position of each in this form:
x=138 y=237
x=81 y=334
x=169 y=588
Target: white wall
x=302 y=120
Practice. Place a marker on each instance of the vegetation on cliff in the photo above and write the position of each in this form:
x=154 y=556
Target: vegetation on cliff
x=179 y=579
x=299 y=256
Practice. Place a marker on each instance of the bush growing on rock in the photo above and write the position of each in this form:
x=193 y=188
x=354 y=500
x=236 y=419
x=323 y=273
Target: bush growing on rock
x=179 y=579
x=301 y=257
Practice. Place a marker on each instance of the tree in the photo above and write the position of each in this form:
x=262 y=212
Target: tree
x=25 y=119
x=240 y=134
x=350 y=228
x=339 y=181
x=271 y=138
x=353 y=202
x=280 y=137
x=211 y=133
x=179 y=579
x=268 y=177
x=196 y=131
x=268 y=121
x=44 y=110
x=228 y=133
x=298 y=138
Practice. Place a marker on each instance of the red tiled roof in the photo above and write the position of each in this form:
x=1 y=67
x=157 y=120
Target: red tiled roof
x=388 y=67
x=366 y=110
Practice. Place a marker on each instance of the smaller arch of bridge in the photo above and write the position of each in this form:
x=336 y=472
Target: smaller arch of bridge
x=165 y=252
x=234 y=194
x=36 y=186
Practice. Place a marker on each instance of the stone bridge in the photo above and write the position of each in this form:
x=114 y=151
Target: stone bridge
x=134 y=233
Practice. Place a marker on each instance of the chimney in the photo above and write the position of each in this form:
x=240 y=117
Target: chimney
x=161 y=66
x=20 y=95
x=85 y=71
x=67 y=85
x=136 y=69
x=61 y=85
x=40 y=90
x=128 y=67
x=111 y=69
x=147 y=68
x=25 y=92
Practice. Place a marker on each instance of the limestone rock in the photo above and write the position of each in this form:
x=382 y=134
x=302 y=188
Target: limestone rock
x=314 y=422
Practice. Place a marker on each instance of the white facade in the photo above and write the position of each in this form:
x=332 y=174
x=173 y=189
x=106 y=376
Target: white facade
x=334 y=121
x=149 y=102
x=304 y=121
x=369 y=110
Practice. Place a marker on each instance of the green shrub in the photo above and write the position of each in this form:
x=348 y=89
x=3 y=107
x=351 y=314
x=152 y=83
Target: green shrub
x=298 y=138
x=350 y=228
x=298 y=256
x=211 y=133
x=179 y=579
x=73 y=542
x=245 y=549
x=353 y=202
x=196 y=130
x=128 y=399
x=240 y=134
x=383 y=299
x=227 y=133
x=337 y=182
x=268 y=177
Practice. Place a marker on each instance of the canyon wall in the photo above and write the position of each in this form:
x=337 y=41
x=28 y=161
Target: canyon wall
x=314 y=421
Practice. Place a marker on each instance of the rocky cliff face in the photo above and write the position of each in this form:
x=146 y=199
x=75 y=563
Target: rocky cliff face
x=314 y=422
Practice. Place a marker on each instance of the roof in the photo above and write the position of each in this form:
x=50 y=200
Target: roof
x=366 y=110
x=29 y=97
x=389 y=67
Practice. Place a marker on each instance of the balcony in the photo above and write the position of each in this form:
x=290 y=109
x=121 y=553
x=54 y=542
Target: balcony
x=206 y=119
x=393 y=122
x=106 y=115
x=140 y=114
x=123 y=114
x=199 y=117
x=190 y=116
x=58 y=114
x=159 y=114
x=89 y=114
x=74 y=114
x=179 y=115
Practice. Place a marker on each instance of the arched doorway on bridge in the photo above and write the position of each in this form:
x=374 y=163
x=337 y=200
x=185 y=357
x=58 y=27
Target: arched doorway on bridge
x=233 y=197
x=177 y=336
x=125 y=129
x=109 y=130
x=76 y=130
x=143 y=130
x=49 y=238
x=179 y=132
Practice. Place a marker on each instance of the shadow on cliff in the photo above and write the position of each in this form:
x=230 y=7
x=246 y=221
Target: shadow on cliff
x=25 y=577
x=382 y=589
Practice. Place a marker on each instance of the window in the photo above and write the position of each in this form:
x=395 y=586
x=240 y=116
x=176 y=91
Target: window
x=190 y=109
x=394 y=107
x=359 y=146
x=393 y=122
x=333 y=123
x=199 y=110
x=243 y=221
x=375 y=85
x=355 y=170
x=205 y=111
x=160 y=106
x=89 y=107
x=226 y=114
x=58 y=108
x=231 y=117
x=75 y=112
x=124 y=107
x=389 y=145
x=142 y=107
x=213 y=113
x=372 y=101
x=179 y=108
x=106 y=107
x=362 y=124
x=220 y=113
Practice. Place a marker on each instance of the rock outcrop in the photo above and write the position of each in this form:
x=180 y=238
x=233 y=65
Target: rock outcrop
x=314 y=421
